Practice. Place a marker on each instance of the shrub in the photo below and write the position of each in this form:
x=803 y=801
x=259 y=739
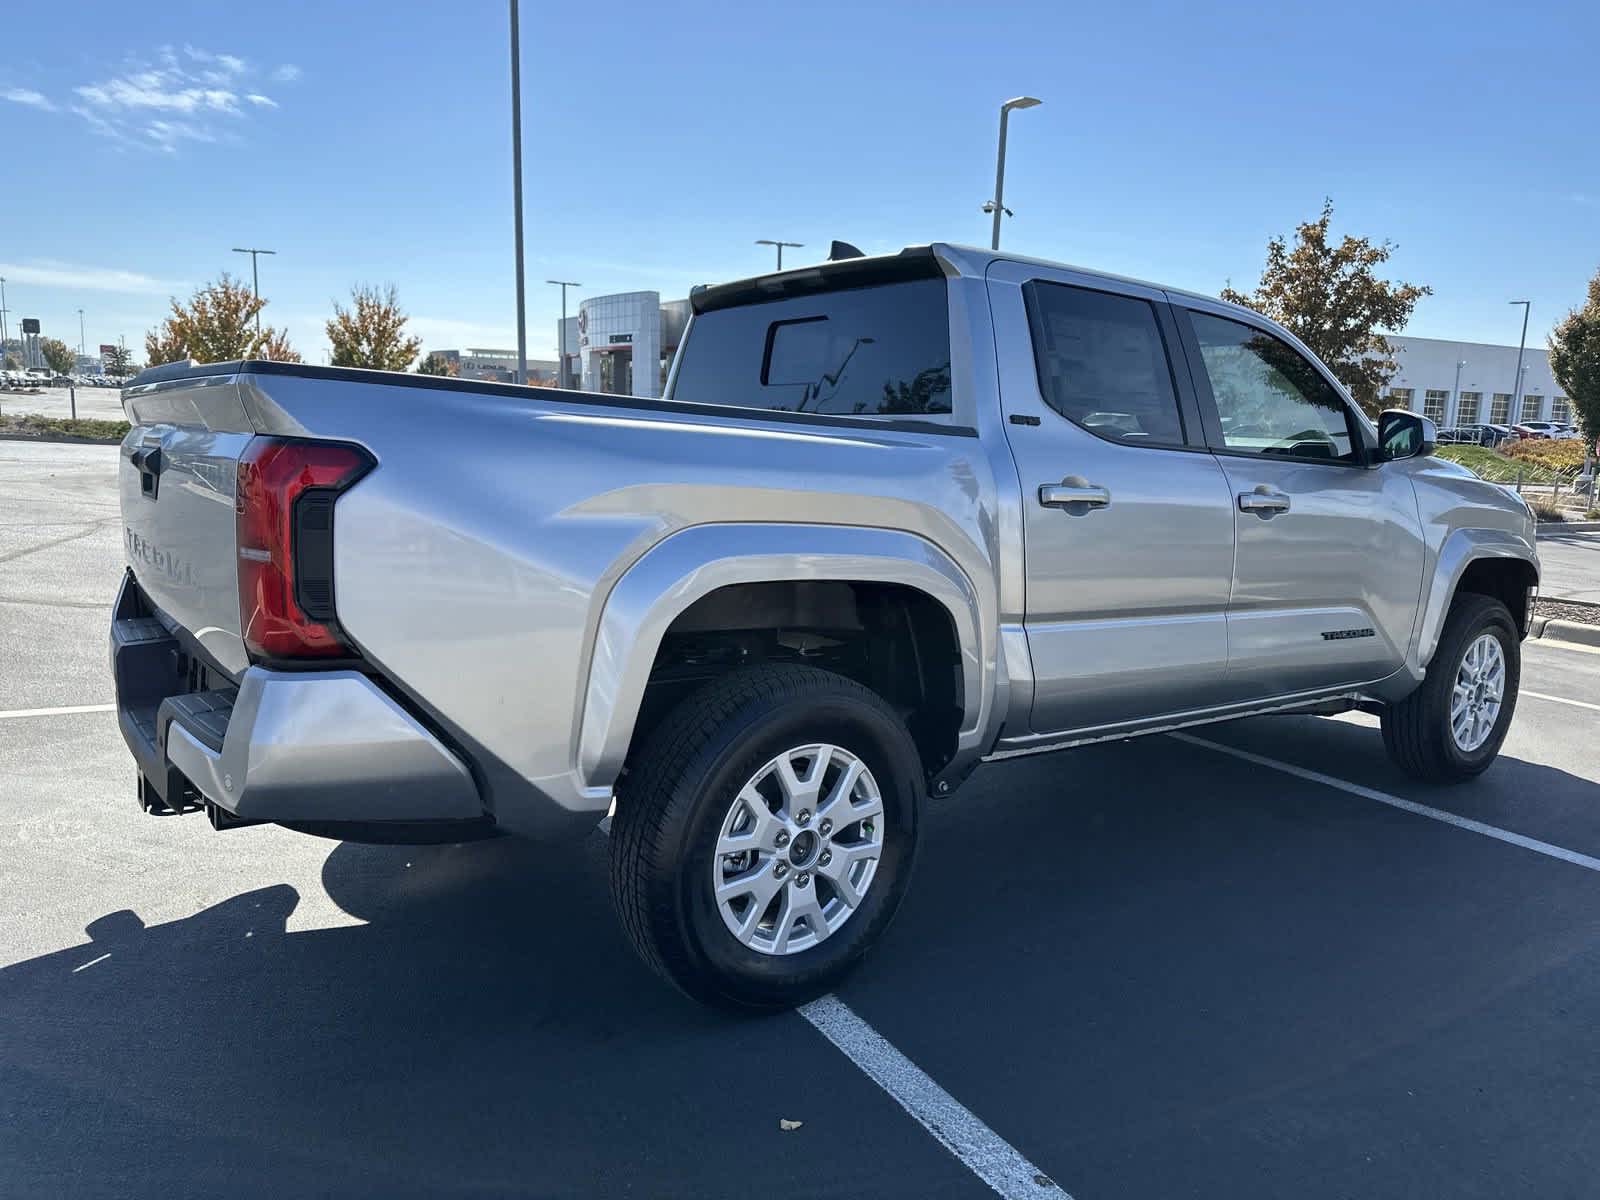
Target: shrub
x=1559 y=454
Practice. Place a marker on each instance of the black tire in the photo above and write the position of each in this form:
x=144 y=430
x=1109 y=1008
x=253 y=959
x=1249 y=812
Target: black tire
x=676 y=793
x=1416 y=731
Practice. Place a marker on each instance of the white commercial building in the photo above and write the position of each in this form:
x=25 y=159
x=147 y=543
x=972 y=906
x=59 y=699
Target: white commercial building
x=623 y=344
x=1470 y=383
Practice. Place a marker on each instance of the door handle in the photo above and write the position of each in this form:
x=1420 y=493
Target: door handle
x=1263 y=502
x=1074 y=494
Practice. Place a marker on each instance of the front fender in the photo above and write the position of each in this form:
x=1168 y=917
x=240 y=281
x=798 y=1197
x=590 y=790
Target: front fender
x=694 y=562
x=1460 y=550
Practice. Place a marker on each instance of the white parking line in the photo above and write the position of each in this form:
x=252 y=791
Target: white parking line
x=984 y=1152
x=1559 y=699
x=56 y=712
x=1410 y=806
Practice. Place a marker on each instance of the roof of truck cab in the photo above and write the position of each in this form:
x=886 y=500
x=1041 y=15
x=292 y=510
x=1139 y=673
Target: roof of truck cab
x=912 y=262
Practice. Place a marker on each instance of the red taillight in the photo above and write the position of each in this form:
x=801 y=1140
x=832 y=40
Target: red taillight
x=284 y=509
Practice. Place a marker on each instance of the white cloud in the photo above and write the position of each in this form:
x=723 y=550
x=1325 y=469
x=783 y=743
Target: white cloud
x=172 y=100
x=50 y=273
x=29 y=97
x=287 y=73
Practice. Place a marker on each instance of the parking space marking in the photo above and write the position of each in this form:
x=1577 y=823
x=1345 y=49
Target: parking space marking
x=56 y=712
x=984 y=1152
x=1559 y=699
x=1410 y=806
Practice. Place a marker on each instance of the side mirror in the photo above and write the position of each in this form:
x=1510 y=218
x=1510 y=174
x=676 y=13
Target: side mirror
x=1403 y=434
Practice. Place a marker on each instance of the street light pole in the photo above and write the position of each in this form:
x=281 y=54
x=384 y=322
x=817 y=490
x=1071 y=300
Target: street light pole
x=1455 y=397
x=1000 y=164
x=255 y=277
x=83 y=340
x=516 y=192
x=780 y=246
x=561 y=332
x=1516 y=384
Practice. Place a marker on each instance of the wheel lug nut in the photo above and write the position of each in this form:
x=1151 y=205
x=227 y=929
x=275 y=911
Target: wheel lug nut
x=826 y=827
x=825 y=858
x=782 y=839
x=804 y=818
x=780 y=870
x=802 y=879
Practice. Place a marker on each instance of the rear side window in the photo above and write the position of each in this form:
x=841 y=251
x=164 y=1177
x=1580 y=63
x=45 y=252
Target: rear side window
x=1103 y=364
x=872 y=351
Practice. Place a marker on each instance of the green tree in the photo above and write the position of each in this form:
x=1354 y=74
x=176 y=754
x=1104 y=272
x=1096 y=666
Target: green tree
x=118 y=362
x=1575 y=359
x=437 y=364
x=58 y=356
x=1330 y=297
x=372 y=331
x=12 y=362
x=217 y=325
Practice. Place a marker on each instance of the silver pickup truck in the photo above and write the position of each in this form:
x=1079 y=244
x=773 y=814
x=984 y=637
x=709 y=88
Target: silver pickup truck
x=895 y=517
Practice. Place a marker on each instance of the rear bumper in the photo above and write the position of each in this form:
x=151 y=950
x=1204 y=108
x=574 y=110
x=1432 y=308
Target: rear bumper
x=307 y=747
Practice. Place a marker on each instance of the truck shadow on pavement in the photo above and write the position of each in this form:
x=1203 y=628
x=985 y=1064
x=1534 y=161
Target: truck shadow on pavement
x=1209 y=979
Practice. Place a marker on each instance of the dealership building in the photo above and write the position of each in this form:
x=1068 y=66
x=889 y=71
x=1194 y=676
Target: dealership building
x=1469 y=383
x=622 y=344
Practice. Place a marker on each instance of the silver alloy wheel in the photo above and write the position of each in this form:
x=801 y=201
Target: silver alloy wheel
x=1478 y=692
x=798 y=849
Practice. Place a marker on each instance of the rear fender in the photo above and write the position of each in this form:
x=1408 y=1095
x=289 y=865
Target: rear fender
x=692 y=563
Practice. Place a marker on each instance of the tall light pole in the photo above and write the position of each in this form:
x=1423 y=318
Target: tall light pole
x=780 y=246
x=561 y=330
x=83 y=340
x=996 y=206
x=1516 y=384
x=516 y=192
x=255 y=277
x=1455 y=397
x=4 y=336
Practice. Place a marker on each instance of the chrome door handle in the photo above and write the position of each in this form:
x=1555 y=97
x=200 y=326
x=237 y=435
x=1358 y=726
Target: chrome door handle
x=1263 y=502
x=1071 y=495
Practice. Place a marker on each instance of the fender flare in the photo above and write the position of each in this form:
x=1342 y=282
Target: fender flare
x=1460 y=550
x=694 y=562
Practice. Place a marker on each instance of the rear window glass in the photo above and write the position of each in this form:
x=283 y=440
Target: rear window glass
x=871 y=351
x=1103 y=364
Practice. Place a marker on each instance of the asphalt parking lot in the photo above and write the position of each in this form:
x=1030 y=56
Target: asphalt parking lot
x=1255 y=961
x=100 y=403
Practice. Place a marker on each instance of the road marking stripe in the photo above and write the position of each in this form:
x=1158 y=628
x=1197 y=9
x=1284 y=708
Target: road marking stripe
x=984 y=1152
x=1559 y=699
x=92 y=962
x=1410 y=806
x=56 y=712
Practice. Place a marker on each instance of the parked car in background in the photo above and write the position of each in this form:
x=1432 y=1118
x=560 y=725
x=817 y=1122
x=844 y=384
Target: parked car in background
x=1534 y=429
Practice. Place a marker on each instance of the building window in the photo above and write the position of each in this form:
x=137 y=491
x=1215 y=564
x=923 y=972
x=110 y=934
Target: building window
x=1433 y=404
x=1561 y=410
x=1467 y=408
x=1401 y=397
x=1532 y=406
x=1500 y=408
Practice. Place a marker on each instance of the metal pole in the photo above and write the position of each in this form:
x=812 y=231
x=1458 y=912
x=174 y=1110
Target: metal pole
x=561 y=333
x=255 y=278
x=1516 y=383
x=4 y=336
x=999 y=178
x=516 y=191
x=780 y=245
x=83 y=340
x=1455 y=397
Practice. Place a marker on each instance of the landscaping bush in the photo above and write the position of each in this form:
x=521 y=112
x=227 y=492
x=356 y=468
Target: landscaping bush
x=1559 y=454
x=60 y=428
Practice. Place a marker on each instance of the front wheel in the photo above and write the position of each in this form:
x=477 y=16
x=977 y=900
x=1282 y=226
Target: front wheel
x=1450 y=728
x=764 y=835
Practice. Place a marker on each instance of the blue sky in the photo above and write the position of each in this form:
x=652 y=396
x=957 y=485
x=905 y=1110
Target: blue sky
x=369 y=142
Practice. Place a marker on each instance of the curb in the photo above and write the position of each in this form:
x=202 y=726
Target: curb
x=1556 y=630
x=75 y=440
x=1556 y=528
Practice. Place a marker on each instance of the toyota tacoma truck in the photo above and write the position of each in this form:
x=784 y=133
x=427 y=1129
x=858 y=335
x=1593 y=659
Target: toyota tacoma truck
x=894 y=517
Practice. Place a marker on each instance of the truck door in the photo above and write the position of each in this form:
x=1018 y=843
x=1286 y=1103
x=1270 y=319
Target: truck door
x=1127 y=518
x=1329 y=546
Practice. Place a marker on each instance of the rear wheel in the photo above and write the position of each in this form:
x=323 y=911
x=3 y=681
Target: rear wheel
x=1450 y=728
x=764 y=836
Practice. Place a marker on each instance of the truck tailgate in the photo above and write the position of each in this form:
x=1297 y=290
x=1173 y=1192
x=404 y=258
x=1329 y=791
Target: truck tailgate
x=177 y=477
